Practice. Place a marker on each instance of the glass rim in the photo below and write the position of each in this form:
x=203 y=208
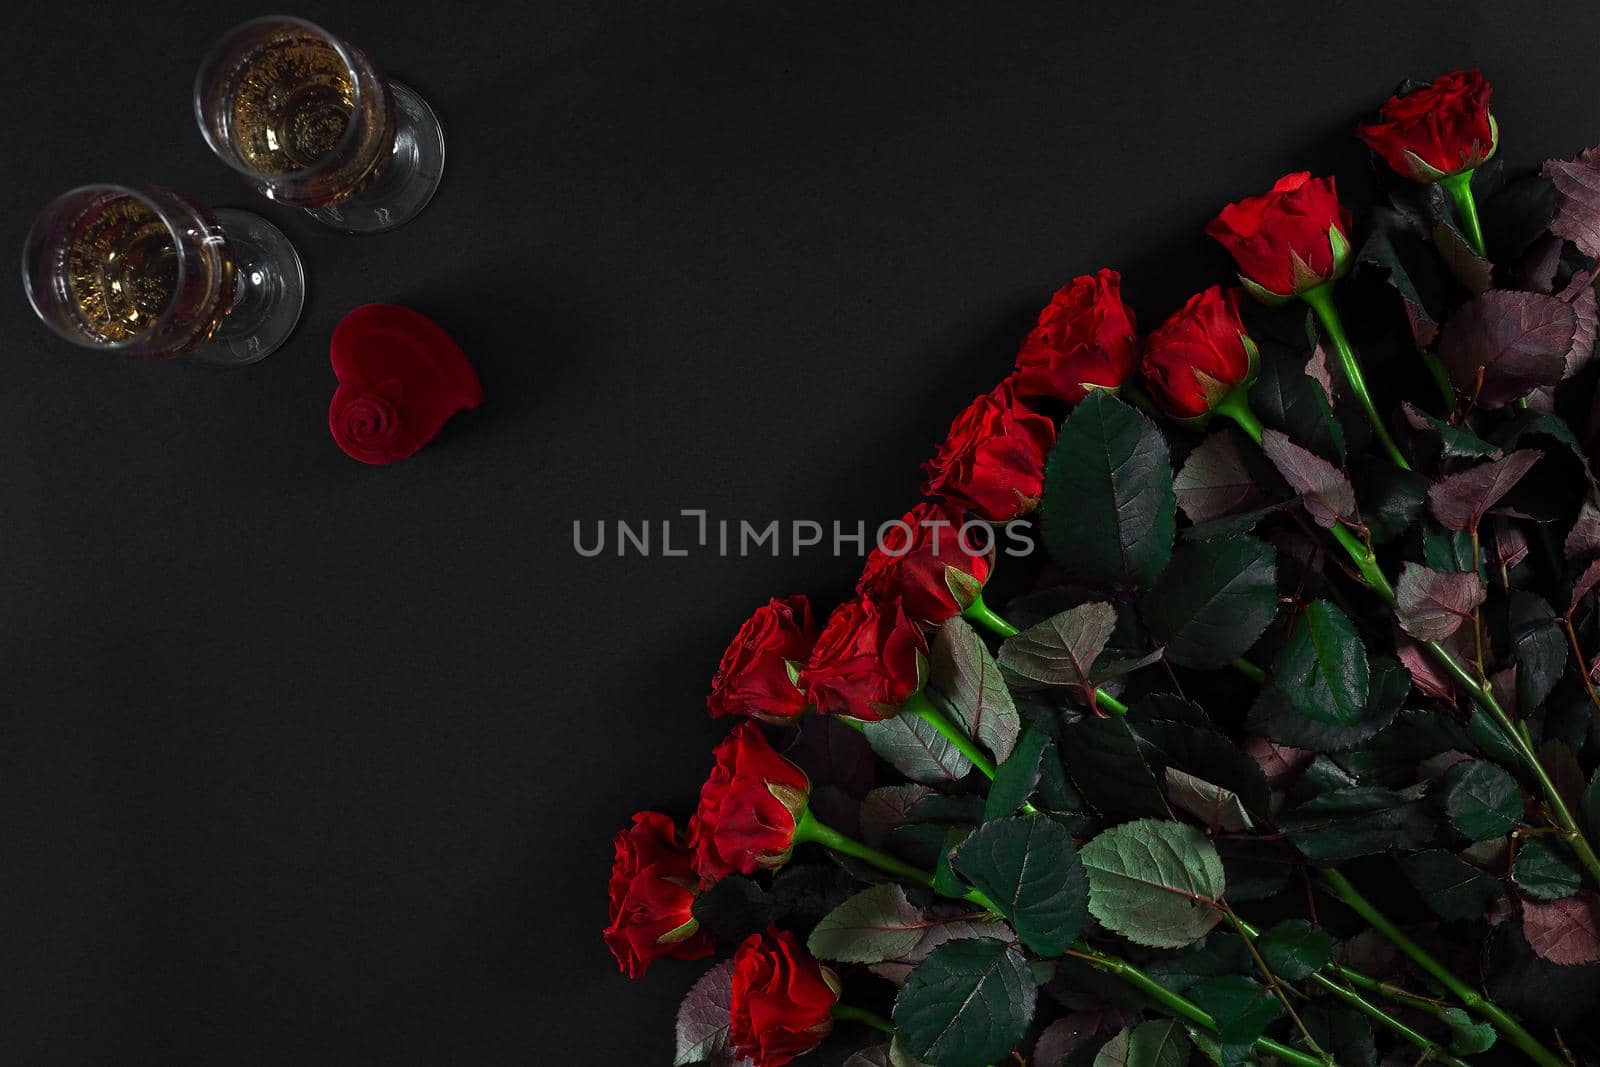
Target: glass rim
x=36 y=240
x=222 y=46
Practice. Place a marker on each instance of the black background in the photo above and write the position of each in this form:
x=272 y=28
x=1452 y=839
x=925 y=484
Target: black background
x=303 y=761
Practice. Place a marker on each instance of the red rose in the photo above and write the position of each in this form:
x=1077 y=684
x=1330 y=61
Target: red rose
x=653 y=886
x=753 y=677
x=870 y=658
x=400 y=377
x=748 y=807
x=1199 y=355
x=1085 y=338
x=1292 y=239
x=782 y=999
x=992 y=461
x=914 y=556
x=1438 y=130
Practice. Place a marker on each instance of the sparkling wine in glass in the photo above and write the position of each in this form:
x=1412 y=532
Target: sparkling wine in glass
x=148 y=272
x=310 y=122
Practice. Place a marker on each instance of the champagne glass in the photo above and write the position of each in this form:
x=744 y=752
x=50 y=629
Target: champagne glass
x=310 y=122
x=150 y=273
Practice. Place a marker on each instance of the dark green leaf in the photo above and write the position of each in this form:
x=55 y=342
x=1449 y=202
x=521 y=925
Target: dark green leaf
x=1453 y=442
x=1109 y=768
x=1256 y=869
x=1030 y=869
x=1448 y=884
x=1109 y=514
x=1242 y=1008
x=1536 y=989
x=1322 y=668
x=1447 y=550
x=1206 y=753
x=1015 y=778
x=732 y=910
x=1062 y=649
x=1543 y=873
x=962 y=669
x=916 y=749
x=1481 y=799
x=1342 y=1032
x=1155 y=883
x=874 y=925
x=1272 y=715
x=1362 y=821
x=1219 y=953
x=1286 y=398
x=1390 y=499
x=945 y=880
x=1214 y=601
x=1540 y=646
x=1157 y=1043
x=1294 y=949
x=967 y=1004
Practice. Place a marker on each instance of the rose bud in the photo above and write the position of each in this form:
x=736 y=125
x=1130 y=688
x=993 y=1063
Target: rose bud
x=782 y=999
x=756 y=677
x=870 y=658
x=653 y=886
x=1200 y=355
x=748 y=808
x=1085 y=340
x=925 y=561
x=1292 y=239
x=1437 y=130
x=992 y=460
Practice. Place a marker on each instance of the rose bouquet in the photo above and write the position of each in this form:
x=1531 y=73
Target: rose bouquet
x=1289 y=758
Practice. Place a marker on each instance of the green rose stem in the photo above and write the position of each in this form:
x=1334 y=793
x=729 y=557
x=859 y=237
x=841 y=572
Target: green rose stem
x=1180 y=1006
x=1236 y=407
x=1434 y=1052
x=1482 y=695
x=980 y=613
x=1459 y=186
x=860 y=1015
x=1321 y=300
x=808 y=829
x=1340 y=888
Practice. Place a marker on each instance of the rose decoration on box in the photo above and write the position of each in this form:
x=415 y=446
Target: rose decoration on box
x=1291 y=757
x=400 y=378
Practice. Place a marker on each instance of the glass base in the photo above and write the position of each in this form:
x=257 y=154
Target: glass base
x=405 y=182
x=269 y=291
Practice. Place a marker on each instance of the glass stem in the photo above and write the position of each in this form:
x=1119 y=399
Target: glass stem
x=1321 y=300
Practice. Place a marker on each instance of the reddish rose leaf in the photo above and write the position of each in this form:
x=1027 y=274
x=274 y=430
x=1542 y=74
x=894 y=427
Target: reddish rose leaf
x=1214 y=482
x=1508 y=542
x=1278 y=762
x=1317 y=370
x=1582 y=542
x=1580 y=295
x=1323 y=488
x=1460 y=500
x=1427 y=675
x=1504 y=344
x=1431 y=605
x=703 y=1021
x=1586 y=582
x=1577 y=183
x=1566 y=932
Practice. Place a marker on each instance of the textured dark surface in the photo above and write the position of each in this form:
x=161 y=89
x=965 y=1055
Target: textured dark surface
x=308 y=762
